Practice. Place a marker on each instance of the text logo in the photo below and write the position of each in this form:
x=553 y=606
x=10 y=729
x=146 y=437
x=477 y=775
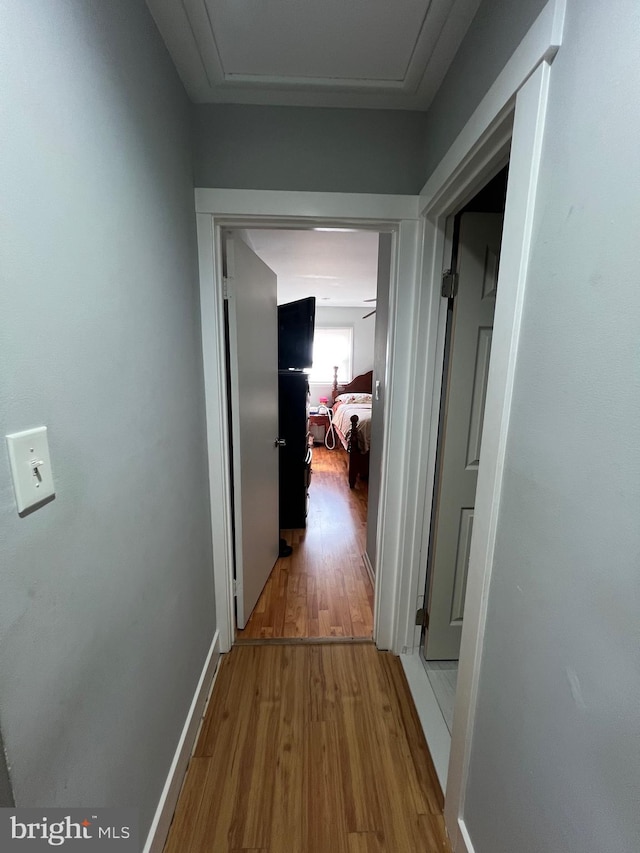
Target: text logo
x=69 y=829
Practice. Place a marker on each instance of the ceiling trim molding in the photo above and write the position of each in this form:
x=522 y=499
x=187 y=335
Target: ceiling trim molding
x=190 y=35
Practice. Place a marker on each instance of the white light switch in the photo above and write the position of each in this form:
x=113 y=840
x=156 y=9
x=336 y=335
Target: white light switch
x=31 y=468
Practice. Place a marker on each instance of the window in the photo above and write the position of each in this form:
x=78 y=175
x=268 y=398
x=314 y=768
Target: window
x=331 y=347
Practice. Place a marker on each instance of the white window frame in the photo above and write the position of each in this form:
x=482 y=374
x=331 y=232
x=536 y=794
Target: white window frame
x=342 y=379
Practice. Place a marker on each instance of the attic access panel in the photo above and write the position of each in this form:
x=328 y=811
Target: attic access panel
x=349 y=53
x=372 y=40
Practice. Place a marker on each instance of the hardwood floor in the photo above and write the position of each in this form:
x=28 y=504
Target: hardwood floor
x=310 y=749
x=323 y=589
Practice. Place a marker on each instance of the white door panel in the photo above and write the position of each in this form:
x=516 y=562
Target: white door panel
x=460 y=443
x=253 y=362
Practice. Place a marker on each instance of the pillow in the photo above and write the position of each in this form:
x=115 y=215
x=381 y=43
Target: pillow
x=353 y=398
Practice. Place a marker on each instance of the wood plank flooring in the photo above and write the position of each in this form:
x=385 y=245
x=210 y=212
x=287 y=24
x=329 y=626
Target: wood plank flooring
x=323 y=589
x=310 y=749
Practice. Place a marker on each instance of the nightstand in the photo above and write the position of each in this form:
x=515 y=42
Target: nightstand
x=318 y=426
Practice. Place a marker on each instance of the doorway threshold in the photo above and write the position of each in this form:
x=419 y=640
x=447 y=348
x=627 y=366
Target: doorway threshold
x=302 y=641
x=431 y=719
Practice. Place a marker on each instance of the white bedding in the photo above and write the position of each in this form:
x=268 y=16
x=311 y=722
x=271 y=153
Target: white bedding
x=342 y=421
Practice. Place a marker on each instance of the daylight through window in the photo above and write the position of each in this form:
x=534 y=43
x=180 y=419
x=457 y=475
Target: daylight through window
x=331 y=347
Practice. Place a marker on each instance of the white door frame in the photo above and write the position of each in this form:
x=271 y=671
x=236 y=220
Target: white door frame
x=508 y=123
x=218 y=208
x=511 y=114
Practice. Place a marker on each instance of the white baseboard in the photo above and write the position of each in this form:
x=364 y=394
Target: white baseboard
x=164 y=813
x=369 y=568
x=464 y=844
x=433 y=725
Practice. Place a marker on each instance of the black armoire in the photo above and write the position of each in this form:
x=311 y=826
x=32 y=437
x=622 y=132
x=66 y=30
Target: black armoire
x=295 y=455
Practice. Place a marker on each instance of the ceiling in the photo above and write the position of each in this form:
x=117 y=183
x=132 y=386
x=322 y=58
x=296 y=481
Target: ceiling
x=339 y=268
x=344 y=53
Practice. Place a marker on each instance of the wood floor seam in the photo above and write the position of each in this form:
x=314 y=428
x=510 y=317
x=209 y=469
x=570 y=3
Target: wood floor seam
x=309 y=641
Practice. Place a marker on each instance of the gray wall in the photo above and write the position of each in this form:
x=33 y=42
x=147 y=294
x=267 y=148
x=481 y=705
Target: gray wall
x=346 y=150
x=495 y=32
x=6 y=794
x=107 y=610
x=555 y=766
x=298 y=148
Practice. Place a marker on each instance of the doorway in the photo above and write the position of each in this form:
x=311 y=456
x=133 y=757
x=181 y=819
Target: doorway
x=322 y=584
x=470 y=286
x=416 y=335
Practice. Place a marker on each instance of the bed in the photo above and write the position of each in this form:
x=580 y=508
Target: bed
x=351 y=415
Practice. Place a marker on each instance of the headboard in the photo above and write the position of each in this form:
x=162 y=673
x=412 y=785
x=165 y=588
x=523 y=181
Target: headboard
x=362 y=384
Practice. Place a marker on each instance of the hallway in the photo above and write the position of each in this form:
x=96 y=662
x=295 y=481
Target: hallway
x=310 y=749
x=323 y=588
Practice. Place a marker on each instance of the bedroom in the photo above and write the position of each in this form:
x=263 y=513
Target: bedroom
x=320 y=582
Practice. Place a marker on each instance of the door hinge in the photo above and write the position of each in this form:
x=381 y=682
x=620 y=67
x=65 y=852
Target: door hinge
x=234 y=587
x=225 y=287
x=422 y=618
x=449 y=284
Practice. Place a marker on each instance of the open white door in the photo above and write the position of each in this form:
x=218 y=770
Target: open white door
x=253 y=372
x=466 y=386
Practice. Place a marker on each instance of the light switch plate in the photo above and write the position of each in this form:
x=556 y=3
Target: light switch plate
x=31 y=468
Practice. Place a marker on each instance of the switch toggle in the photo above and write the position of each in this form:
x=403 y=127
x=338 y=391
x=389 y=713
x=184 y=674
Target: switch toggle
x=31 y=468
